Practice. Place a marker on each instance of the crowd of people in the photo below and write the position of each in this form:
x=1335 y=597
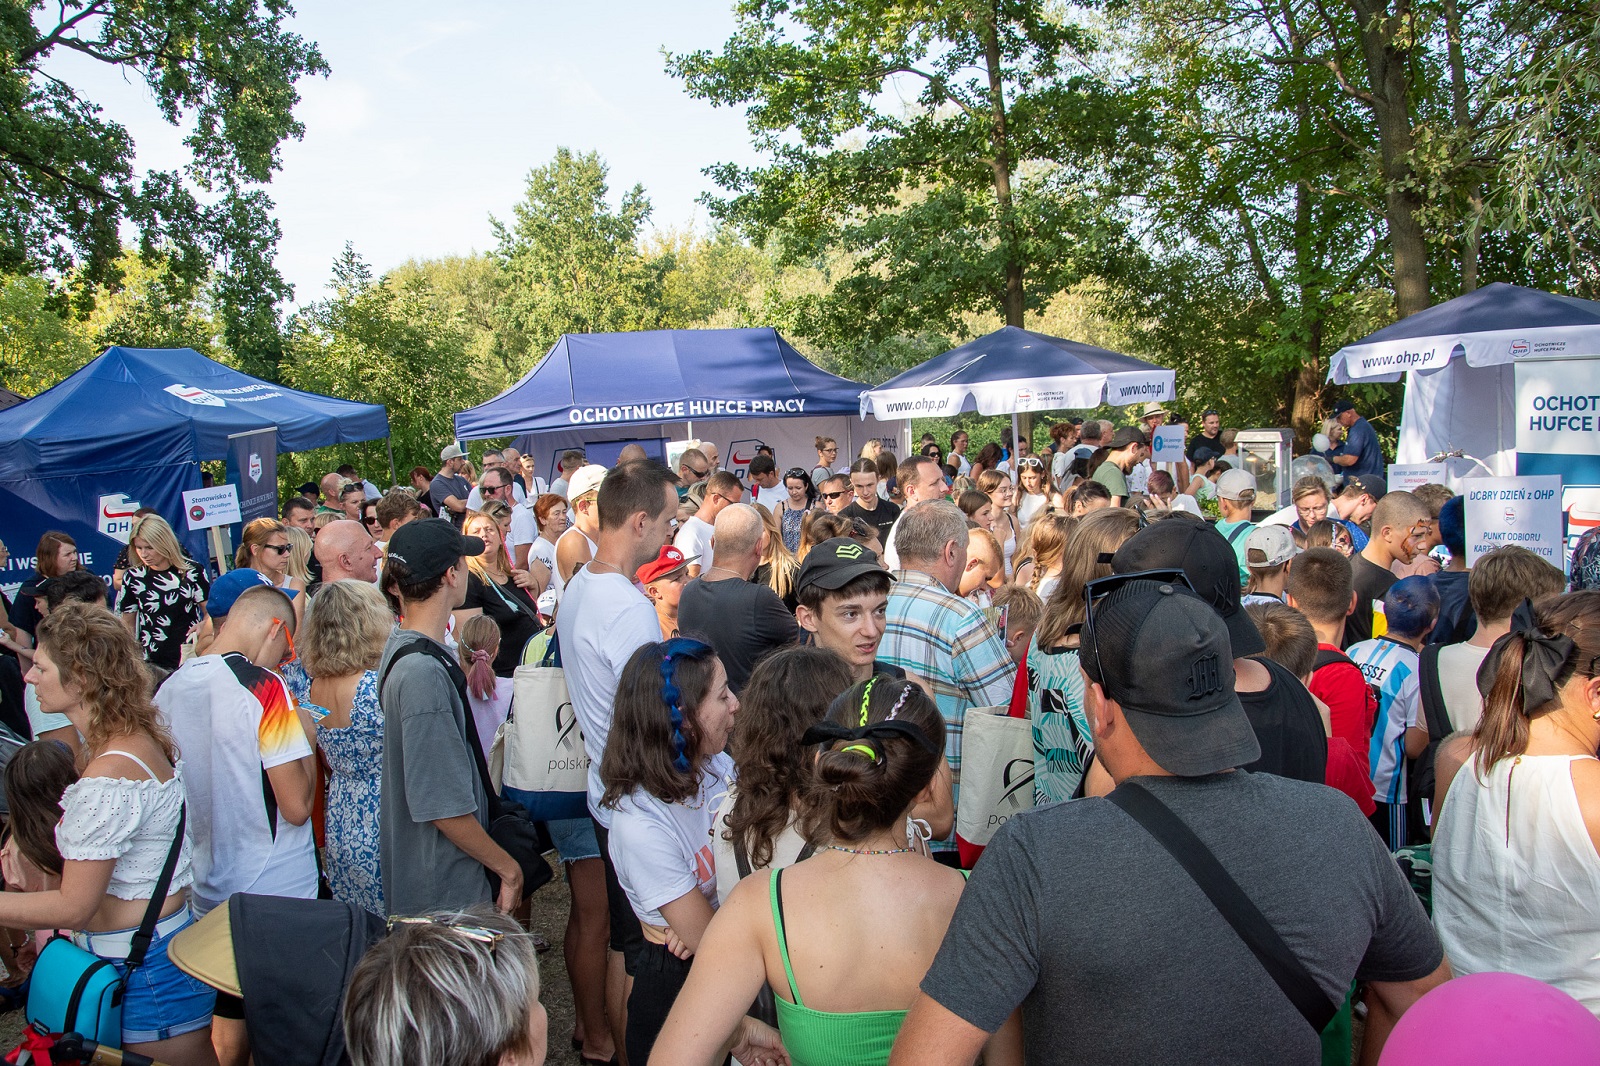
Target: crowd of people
x=1289 y=770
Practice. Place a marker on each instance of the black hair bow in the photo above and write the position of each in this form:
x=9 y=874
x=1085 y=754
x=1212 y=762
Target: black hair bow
x=828 y=732
x=1543 y=658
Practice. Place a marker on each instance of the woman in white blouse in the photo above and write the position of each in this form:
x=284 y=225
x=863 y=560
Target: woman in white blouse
x=117 y=826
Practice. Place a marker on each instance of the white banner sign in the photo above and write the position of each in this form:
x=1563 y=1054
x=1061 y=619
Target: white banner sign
x=217 y=506
x=1412 y=476
x=1525 y=511
x=1166 y=444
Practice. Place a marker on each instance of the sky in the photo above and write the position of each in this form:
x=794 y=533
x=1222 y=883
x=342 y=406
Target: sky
x=434 y=114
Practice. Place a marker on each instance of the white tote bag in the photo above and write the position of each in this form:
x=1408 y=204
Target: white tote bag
x=543 y=744
x=996 y=772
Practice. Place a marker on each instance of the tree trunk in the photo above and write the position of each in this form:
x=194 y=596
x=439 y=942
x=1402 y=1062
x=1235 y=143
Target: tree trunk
x=1390 y=82
x=1000 y=163
x=1471 y=238
x=1305 y=380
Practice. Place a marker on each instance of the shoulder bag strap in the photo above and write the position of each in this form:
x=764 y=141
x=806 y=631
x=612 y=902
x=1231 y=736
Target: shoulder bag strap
x=438 y=654
x=1433 y=693
x=1233 y=535
x=1287 y=971
x=152 y=914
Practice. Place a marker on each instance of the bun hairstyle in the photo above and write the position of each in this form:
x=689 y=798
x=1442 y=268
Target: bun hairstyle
x=655 y=730
x=883 y=742
x=1523 y=673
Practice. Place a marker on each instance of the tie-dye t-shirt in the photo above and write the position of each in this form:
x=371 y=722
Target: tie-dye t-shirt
x=234 y=720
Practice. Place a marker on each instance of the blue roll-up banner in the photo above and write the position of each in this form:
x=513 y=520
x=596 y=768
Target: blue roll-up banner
x=253 y=466
x=96 y=510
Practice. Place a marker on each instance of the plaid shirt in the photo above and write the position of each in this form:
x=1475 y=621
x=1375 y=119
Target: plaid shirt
x=952 y=644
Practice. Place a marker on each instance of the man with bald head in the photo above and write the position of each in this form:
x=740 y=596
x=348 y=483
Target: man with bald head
x=346 y=552
x=743 y=621
x=331 y=484
x=631 y=452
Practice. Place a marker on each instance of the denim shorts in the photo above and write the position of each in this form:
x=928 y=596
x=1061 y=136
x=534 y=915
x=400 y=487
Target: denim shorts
x=574 y=839
x=565 y=815
x=161 y=1001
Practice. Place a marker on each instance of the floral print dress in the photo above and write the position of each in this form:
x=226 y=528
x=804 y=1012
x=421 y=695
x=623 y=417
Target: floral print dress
x=355 y=757
x=166 y=605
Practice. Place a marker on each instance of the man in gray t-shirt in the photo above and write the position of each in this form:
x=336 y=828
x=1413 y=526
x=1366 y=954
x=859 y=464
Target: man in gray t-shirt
x=1080 y=917
x=433 y=839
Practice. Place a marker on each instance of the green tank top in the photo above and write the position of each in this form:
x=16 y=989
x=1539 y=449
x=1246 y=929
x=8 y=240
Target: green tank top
x=817 y=1038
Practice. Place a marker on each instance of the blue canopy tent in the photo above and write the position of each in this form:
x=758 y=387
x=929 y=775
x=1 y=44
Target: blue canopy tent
x=598 y=391
x=129 y=429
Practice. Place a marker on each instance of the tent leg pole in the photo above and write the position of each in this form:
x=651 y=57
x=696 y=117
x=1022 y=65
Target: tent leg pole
x=1014 y=438
x=388 y=442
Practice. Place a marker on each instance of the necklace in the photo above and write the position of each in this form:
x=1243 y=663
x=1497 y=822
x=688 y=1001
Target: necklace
x=870 y=851
x=612 y=566
x=731 y=573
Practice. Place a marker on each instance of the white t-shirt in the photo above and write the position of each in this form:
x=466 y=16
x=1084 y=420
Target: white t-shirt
x=475 y=497
x=770 y=498
x=1458 y=681
x=524 y=526
x=694 y=538
x=603 y=620
x=1139 y=476
x=1028 y=506
x=962 y=466
x=663 y=850
x=1185 y=502
x=233 y=719
x=545 y=552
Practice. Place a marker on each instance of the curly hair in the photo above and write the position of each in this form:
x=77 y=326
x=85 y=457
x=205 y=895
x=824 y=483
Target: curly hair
x=94 y=652
x=346 y=625
x=787 y=692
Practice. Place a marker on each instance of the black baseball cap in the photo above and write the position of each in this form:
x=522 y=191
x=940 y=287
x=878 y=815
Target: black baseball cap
x=1211 y=565
x=1371 y=484
x=1342 y=406
x=1074 y=421
x=1166 y=658
x=430 y=546
x=1127 y=435
x=835 y=563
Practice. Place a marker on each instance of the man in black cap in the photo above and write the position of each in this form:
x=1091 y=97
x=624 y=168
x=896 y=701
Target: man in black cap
x=1092 y=924
x=433 y=824
x=842 y=589
x=1293 y=742
x=1128 y=446
x=1359 y=452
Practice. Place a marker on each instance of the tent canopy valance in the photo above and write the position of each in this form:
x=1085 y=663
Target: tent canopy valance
x=1015 y=370
x=646 y=378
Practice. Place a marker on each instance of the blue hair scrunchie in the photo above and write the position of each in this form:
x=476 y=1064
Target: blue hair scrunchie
x=671 y=651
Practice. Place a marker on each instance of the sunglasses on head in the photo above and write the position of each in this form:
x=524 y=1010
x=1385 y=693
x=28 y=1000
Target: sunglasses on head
x=794 y=472
x=477 y=933
x=1030 y=461
x=1096 y=591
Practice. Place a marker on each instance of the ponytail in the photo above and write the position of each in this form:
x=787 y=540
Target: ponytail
x=1503 y=729
x=1523 y=674
x=477 y=643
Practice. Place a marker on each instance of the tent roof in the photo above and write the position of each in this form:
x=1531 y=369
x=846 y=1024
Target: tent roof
x=8 y=398
x=653 y=376
x=1496 y=324
x=1014 y=369
x=136 y=407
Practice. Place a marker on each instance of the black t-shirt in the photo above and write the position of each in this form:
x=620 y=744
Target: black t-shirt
x=513 y=610
x=1287 y=726
x=1199 y=441
x=23 y=612
x=1456 y=620
x=1372 y=581
x=880 y=517
x=763 y=576
x=741 y=620
x=888 y=670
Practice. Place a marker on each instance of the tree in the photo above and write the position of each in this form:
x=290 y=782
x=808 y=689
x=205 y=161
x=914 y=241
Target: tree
x=571 y=263
x=38 y=347
x=380 y=342
x=974 y=197
x=227 y=68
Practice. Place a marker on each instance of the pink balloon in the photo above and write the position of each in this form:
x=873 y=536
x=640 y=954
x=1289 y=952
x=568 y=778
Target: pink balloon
x=1488 y=1019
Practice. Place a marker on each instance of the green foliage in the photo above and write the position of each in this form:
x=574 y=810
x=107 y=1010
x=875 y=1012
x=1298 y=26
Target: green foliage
x=572 y=264
x=974 y=196
x=378 y=340
x=226 y=71
x=38 y=347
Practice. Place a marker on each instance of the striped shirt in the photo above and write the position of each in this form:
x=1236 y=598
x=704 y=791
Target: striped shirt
x=1392 y=667
x=933 y=633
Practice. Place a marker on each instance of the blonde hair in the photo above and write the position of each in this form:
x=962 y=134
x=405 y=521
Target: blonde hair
x=475 y=562
x=154 y=531
x=1097 y=533
x=322 y=518
x=782 y=562
x=1047 y=539
x=300 y=545
x=254 y=535
x=94 y=651
x=347 y=624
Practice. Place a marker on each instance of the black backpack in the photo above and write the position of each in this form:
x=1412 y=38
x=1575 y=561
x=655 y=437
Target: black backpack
x=1421 y=780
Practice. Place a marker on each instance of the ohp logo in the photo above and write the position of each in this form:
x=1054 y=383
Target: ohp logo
x=116 y=516
x=255 y=466
x=198 y=397
x=1519 y=348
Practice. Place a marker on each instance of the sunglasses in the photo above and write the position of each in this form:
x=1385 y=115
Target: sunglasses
x=833 y=495
x=1030 y=461
x=476 y=933
x=281 y=549
x=289 y=652
x=794 y=472
x=1096 y=591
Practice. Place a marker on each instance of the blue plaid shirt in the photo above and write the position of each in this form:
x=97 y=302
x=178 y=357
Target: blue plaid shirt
x=954 y=646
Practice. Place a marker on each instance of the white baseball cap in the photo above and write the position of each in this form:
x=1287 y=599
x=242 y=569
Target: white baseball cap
x=1269 y=546
x=1233 y=484
x=586 y=480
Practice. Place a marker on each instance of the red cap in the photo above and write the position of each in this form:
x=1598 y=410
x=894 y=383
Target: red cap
x=669 y=560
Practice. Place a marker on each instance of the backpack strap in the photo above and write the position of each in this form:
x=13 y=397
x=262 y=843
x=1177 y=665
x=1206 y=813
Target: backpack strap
x=1433 y=706
x=1329 y=656
x=1233 y=534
